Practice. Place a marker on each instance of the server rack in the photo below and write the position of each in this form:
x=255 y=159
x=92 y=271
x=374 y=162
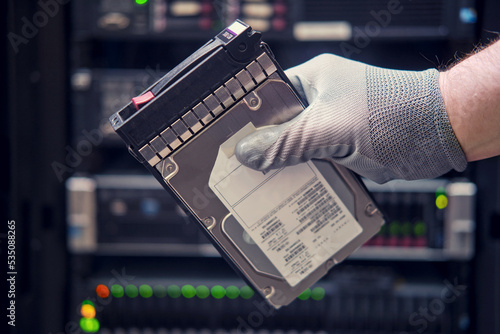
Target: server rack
x=53 y=281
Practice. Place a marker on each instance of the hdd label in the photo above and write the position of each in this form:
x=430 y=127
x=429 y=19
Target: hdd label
x=293 y=214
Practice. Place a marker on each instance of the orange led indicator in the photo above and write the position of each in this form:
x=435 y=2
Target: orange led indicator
x=102 y=291
x=87 y=311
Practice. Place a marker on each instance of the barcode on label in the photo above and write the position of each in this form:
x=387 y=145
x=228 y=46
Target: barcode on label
x=299 y=248
x=276 y=225
x=319 y=209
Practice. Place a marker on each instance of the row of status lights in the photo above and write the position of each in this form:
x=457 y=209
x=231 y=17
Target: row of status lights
x=174 y=291
x=189 y=291
x=407 y=234
x=89 y=324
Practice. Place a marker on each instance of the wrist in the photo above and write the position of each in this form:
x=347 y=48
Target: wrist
x=471 y=95
x=454 y=111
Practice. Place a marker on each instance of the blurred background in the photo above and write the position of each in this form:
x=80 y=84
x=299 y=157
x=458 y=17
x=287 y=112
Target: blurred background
x=100 y=247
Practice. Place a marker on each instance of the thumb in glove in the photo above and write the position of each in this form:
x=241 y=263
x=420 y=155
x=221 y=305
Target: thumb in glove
x=383 y=124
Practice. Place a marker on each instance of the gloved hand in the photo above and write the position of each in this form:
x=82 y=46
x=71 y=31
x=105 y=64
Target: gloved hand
x=383 y=124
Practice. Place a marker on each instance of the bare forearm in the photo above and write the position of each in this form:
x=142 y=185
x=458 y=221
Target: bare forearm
x=471 y=93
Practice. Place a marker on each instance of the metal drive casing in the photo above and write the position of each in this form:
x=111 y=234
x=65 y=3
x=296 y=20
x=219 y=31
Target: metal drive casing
x=282 y=230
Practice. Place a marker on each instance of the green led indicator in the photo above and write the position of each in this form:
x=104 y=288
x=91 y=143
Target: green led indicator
x=202 y=291
x=141 y=2
x=188 y=291
x=441 y=198
x=394 y=228
x=131 y=291
x=145 y=291
x=441 y=202
x=246 y=292
x=305 y=295
x=160 y=291
x=218 y=292
x=318 y=293
x=89 y=325
x=232 y=292
x=85 y=302
x=117 y=291
x=174 y=291
x=406 y=229
x=419 y=229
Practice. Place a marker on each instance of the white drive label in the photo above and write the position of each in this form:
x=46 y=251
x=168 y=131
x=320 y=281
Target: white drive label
x=292 y=213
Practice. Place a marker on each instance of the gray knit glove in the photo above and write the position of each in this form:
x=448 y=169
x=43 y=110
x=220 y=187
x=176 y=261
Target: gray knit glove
x=383 y=124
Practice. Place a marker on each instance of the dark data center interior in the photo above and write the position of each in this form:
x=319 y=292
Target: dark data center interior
x=92 y=243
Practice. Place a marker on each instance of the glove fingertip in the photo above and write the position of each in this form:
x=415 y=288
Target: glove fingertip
x=248 y=154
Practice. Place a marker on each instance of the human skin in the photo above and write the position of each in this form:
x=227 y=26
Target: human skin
x=471 y=94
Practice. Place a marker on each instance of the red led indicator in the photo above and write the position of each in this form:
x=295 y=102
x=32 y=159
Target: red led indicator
x=102 y=291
